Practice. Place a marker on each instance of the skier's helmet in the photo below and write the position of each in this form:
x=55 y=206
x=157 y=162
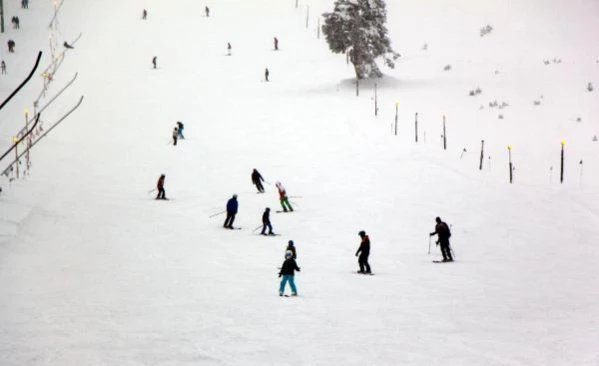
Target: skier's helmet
x=268 y=209
x=290 y=242
x=234 y=196
x=362 y=233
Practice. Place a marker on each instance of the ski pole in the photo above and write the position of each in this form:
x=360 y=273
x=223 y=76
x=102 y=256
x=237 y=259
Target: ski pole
x=429 y=244
x=216 y=214
x=152 y=190
x=452 y=253
x=257 y=228
x=296 y=196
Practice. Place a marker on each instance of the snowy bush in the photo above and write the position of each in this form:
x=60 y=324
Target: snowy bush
x=485 y=30
x=546 y=62
x=425 y=47
x=595 y=138
x=590 y=87
x=503 y=105
x=578 y=119
x=500 y=116
x=357 y=27
x=447 y=67
x=474 y=92
x=536 y=102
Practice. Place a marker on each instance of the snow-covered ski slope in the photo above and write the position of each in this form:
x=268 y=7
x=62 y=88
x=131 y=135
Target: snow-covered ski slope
x=94 y=271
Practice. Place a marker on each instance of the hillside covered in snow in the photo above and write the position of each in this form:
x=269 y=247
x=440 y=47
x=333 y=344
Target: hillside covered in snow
x=95 y=271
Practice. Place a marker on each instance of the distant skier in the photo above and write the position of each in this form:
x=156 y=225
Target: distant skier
x=232 y=206
x=443 y=233
x=175 y=136
x=68 y=46
x=257 y=181
x=364 y=252
x=291 y=248
x=15 y=22
x=276 y=41
x=266 y=222
x=3 y=66
x=266 y=73
x=154 y=61
x=207 y=11
x=229 y=49
x=160 y=186
x=283 y=198
x=144 y=14
x=180 y=130
x=11 y=45
x=288 y=273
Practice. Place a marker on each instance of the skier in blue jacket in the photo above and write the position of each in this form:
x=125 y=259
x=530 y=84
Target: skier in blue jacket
x=232 y=206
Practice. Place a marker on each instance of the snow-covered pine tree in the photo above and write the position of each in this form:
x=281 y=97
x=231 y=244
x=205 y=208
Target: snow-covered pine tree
x=358 y=28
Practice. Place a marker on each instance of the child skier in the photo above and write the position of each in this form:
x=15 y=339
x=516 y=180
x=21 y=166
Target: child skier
x=288 y=273
x=266 y=222
x=175 y=136
x=180 y=130
x=154 y=61
x=160 y=187
x=364 y=252
x=291 y=248
x=283 y=198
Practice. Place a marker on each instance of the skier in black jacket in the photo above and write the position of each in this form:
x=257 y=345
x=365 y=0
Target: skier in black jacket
x=257 y=181
x=364 y=252
x=288 y=272
x=266 y=222
x=443 y=233
x=291 y=247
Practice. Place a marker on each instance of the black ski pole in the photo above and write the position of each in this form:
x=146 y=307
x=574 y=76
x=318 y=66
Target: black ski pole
x=216 y=214
x=257 y=228
x=429 y=244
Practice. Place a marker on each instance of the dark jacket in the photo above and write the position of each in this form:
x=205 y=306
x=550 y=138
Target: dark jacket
x=442 y=230
x=292 y=249
x=266 y=217
x=364 y=246
x=256 y=177
x=289 y=267
x=160 y=183
x=232 y=205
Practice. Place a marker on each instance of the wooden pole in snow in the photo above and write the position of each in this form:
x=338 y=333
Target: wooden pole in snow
x=444 y=135
x=376 y=102
x=561 y=172
x=509 y=149
x=416 y=127
x=482 y=154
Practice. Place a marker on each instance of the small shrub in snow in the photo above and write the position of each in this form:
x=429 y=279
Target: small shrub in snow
x=578 y=119
x=590 y=87
x=595 y=138
x=485 y=30
x=425 y=47
x=503 y=105
x=496 y=72
x=546 y=62
x=500 y=116
x=493 y=104
x=536 y=102
x=447 y=67
x=474 y=92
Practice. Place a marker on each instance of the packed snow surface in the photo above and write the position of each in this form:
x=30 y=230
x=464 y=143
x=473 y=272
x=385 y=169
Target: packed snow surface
x=94 y=271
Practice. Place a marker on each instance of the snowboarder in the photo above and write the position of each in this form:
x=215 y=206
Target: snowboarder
x=266 y=73
x=68 y=46
x=364 y=252
x=266 y=222
x=175 y=135
x=276 y=41
x=283 y=198
x=229 y=49
x=160 y=187
x=144 y=14
x=207 y=11
x=3 y=66
x=232 y=206
x=443 y=233
x=11 y=45
x=288 y=273
x=291 y=248
x=180 y=130
x=154 y=61
x=257 y=180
